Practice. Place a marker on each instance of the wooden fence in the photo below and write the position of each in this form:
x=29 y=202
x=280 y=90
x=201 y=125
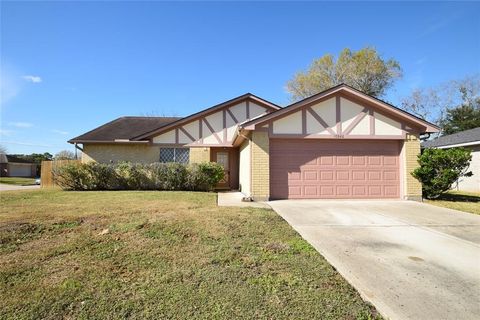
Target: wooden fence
x=46 y=174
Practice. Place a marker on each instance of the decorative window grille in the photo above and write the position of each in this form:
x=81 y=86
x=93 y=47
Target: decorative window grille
x=181 y=155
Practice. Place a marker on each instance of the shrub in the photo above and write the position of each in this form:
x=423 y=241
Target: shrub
x=87 y=176
x=170 y=176
x=72 y=177
x=137 y=176
x=133 y=176
x=204 y=176
x=440 y=168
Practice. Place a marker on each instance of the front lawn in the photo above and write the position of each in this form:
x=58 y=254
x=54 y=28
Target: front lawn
x=160 y=255
x=18 y=181
x=459 y=200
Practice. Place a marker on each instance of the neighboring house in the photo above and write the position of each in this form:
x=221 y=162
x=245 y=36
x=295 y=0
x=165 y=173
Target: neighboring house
x=340 y=143
x=469 y=139
x=11 y=166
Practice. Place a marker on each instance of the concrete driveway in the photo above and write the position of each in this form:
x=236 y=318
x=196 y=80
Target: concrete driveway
x=410 y=260
x=10 y=187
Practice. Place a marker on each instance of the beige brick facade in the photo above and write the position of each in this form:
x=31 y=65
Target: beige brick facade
x=411 y=149
x=260 y=166
x=107 y=153
x=198 y=155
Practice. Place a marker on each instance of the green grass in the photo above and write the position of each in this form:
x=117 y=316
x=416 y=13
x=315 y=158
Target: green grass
x=165 y=255
x=459 y=200
x=17 y=181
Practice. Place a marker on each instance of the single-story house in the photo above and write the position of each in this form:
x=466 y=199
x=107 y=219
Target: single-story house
x=469 y=139
x=338 y=144
x=12 y=166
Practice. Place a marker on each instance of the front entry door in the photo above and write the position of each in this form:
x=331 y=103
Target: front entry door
x=222 y=158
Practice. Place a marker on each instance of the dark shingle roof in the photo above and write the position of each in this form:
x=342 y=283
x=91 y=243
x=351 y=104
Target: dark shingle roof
x=466 y=136
x=124 y=128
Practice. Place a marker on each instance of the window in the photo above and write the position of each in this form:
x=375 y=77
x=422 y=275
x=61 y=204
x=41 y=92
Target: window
x=181 y=155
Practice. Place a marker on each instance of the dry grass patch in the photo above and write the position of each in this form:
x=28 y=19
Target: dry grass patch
x=18 y=181
x=459 y=200
x=159 y=255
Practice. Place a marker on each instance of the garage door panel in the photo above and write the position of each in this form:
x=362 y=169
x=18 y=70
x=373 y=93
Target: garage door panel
x=359 y=191
x=390 y=161
x=375 y=175
x=327 y=175
x=359 y=175
x=310 y=175
x=375 y=190
x=358 y=161
x=374 y=160
x=390 y=175
x=342 y=160
x=310 y=190
x=343 y=175
x=391 y=191
x=326 y=160
x=295 y=191
x=326 y=191
x=334 y=169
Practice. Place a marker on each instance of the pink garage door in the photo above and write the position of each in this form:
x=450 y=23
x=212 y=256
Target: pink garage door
x=333 y=169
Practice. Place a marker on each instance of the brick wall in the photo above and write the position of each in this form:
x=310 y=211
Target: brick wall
x=106 y=153
x=413 y=188
x=198 y=155
x=260 y=166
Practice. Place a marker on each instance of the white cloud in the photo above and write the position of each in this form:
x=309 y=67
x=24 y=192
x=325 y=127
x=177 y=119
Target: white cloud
x=6 y=133
x=21 y=124
x=33 y=79
x=27 y=144
x=59 y=132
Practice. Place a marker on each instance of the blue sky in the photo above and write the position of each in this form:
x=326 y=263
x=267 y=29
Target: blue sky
x=69 y=67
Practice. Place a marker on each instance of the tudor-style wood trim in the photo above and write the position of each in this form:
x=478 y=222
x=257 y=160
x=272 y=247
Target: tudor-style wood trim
x=304 y=121
x=200 y=130
x=247 y=113
x=176 y=135
x=320 y=120
x=204 y=113
x=338 y=115
x=389 y=113
x=356 y=121
x=337 y=137
x=212 y=131
x=224 y=130
x=348 y=93
x=279 y=114
x=185 y=132
x=189 y=145
x=372 y=122
x=230 y=113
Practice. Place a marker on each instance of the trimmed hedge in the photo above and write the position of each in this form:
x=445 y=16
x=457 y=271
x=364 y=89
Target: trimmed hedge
x=138 y=176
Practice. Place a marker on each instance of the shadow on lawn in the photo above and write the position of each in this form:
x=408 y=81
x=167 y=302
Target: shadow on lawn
x=455 y=197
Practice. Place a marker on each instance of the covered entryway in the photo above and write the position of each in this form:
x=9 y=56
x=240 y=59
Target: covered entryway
x=228 y=158
x=333 y=169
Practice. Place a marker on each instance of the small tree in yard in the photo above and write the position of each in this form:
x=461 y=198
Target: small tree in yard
x=440 y=168
x=65 y=155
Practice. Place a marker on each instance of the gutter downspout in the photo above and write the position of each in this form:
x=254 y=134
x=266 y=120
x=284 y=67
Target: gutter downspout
x=77 y=148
